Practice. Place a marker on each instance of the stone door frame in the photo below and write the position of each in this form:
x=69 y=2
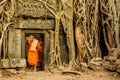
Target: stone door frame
x=46 y=45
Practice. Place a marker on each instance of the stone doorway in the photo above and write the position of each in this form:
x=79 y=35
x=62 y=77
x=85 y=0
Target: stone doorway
x=41 y=36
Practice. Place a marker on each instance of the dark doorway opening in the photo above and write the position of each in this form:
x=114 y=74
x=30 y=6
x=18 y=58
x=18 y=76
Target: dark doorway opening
x=40 y=38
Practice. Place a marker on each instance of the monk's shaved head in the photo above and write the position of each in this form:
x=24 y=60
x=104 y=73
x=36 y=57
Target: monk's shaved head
x=31 y=37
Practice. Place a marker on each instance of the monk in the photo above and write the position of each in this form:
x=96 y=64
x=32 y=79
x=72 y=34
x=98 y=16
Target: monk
x=34 y=52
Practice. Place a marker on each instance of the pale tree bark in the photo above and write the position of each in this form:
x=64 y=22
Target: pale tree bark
x=64 y=15
x=86 y=18
x=110 y=23
x=80 y=25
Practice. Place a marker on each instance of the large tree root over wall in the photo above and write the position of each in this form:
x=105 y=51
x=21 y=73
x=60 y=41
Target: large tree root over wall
x=89 y=17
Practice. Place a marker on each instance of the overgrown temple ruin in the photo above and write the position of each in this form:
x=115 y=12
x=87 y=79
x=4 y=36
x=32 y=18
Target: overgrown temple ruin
x=72 y=32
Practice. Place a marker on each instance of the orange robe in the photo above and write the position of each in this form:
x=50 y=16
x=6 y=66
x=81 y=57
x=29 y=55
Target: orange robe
x=35 y=57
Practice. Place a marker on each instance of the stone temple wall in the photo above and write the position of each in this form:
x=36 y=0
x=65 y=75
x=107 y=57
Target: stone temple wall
x=31 y=19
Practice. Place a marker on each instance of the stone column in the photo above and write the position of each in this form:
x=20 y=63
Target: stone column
x=11 y=43
x=18 y=38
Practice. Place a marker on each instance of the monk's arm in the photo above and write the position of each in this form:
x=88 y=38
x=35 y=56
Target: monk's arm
x=39 y=46
x=27 y=39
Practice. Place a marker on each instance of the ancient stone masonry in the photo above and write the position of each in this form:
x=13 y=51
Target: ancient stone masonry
x=35 y=24
x=48 y=19
x=34 y=8
x=93 y=25
x=33 y=11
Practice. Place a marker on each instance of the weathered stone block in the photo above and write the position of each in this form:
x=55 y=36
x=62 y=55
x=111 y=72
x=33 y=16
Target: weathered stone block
x=110 y=58
x=35 y=8
x=94 y=66
x=109 y=66
x=118 y=62
x=35 y=24
x=4 y=63
x=17 y=63
x=95 y=63
x=118 y=65
x=12 y=63
x=22 y=63
x=17 y=43
x=97 y=59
